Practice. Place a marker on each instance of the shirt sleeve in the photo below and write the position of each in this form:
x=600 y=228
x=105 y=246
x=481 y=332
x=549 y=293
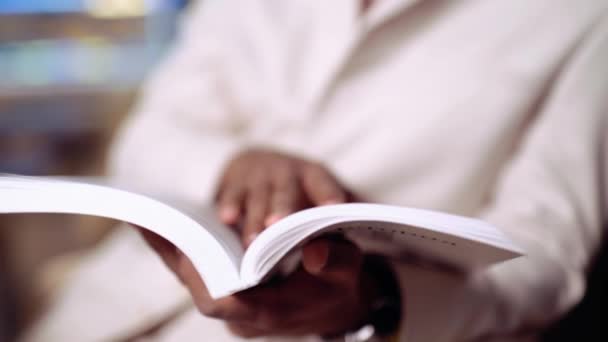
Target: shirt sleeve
x=548 y=200
x=185 y=125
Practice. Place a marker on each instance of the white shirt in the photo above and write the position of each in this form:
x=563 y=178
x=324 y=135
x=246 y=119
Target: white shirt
x=493 y=109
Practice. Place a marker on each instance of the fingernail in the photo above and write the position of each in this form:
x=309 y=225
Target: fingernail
x=272 y=219
x=316 y=259
x=331 y=202
x=251 y=237
x=228 y=214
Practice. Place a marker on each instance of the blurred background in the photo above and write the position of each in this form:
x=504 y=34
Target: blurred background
x=67 y=78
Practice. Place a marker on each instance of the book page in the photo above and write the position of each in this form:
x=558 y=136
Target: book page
x=214 y=251
x=406 y=233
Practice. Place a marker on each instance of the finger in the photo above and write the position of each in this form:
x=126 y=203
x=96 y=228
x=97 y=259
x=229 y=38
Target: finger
x=315 y=255
x=230 y=201
x=337 y=261
x=229 y=308
x=285 y=303
x=321 y=186
x=256 y=209
x=308 y=323
x=245 y=331
x=352 y=196
x=286 y=307
x=285 y=196
x=165 y=249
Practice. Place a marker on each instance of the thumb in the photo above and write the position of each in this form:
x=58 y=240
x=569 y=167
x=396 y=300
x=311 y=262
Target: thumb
x=165 y=249
x=335 y=260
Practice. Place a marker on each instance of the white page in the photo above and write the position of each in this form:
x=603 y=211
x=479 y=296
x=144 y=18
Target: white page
x=216 y=251
x=457 y=241
x=211 y=250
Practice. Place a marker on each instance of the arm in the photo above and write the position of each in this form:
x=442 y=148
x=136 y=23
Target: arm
x=183 y=133
x=185 y=125
x=548 y=200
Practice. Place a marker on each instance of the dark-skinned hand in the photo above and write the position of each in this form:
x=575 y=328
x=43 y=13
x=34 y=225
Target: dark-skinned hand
x=259 y=187
x=328 y=294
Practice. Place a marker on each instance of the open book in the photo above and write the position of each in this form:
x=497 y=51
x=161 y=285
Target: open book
x=216 y=251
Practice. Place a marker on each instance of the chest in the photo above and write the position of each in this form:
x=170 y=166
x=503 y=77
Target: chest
x=423 y=62
x=434 y=64
x=434 y=96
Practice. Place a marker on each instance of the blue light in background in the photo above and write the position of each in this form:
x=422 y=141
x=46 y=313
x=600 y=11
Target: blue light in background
x=84 y=60
x=63 y=6
x=33 y=6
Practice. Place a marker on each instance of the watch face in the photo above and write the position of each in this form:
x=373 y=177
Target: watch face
x=367 y=333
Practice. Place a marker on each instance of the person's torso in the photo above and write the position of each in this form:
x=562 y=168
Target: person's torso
x=419 y=104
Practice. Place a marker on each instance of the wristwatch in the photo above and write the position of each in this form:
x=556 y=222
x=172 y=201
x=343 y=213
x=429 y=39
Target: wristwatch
x=384 y=318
